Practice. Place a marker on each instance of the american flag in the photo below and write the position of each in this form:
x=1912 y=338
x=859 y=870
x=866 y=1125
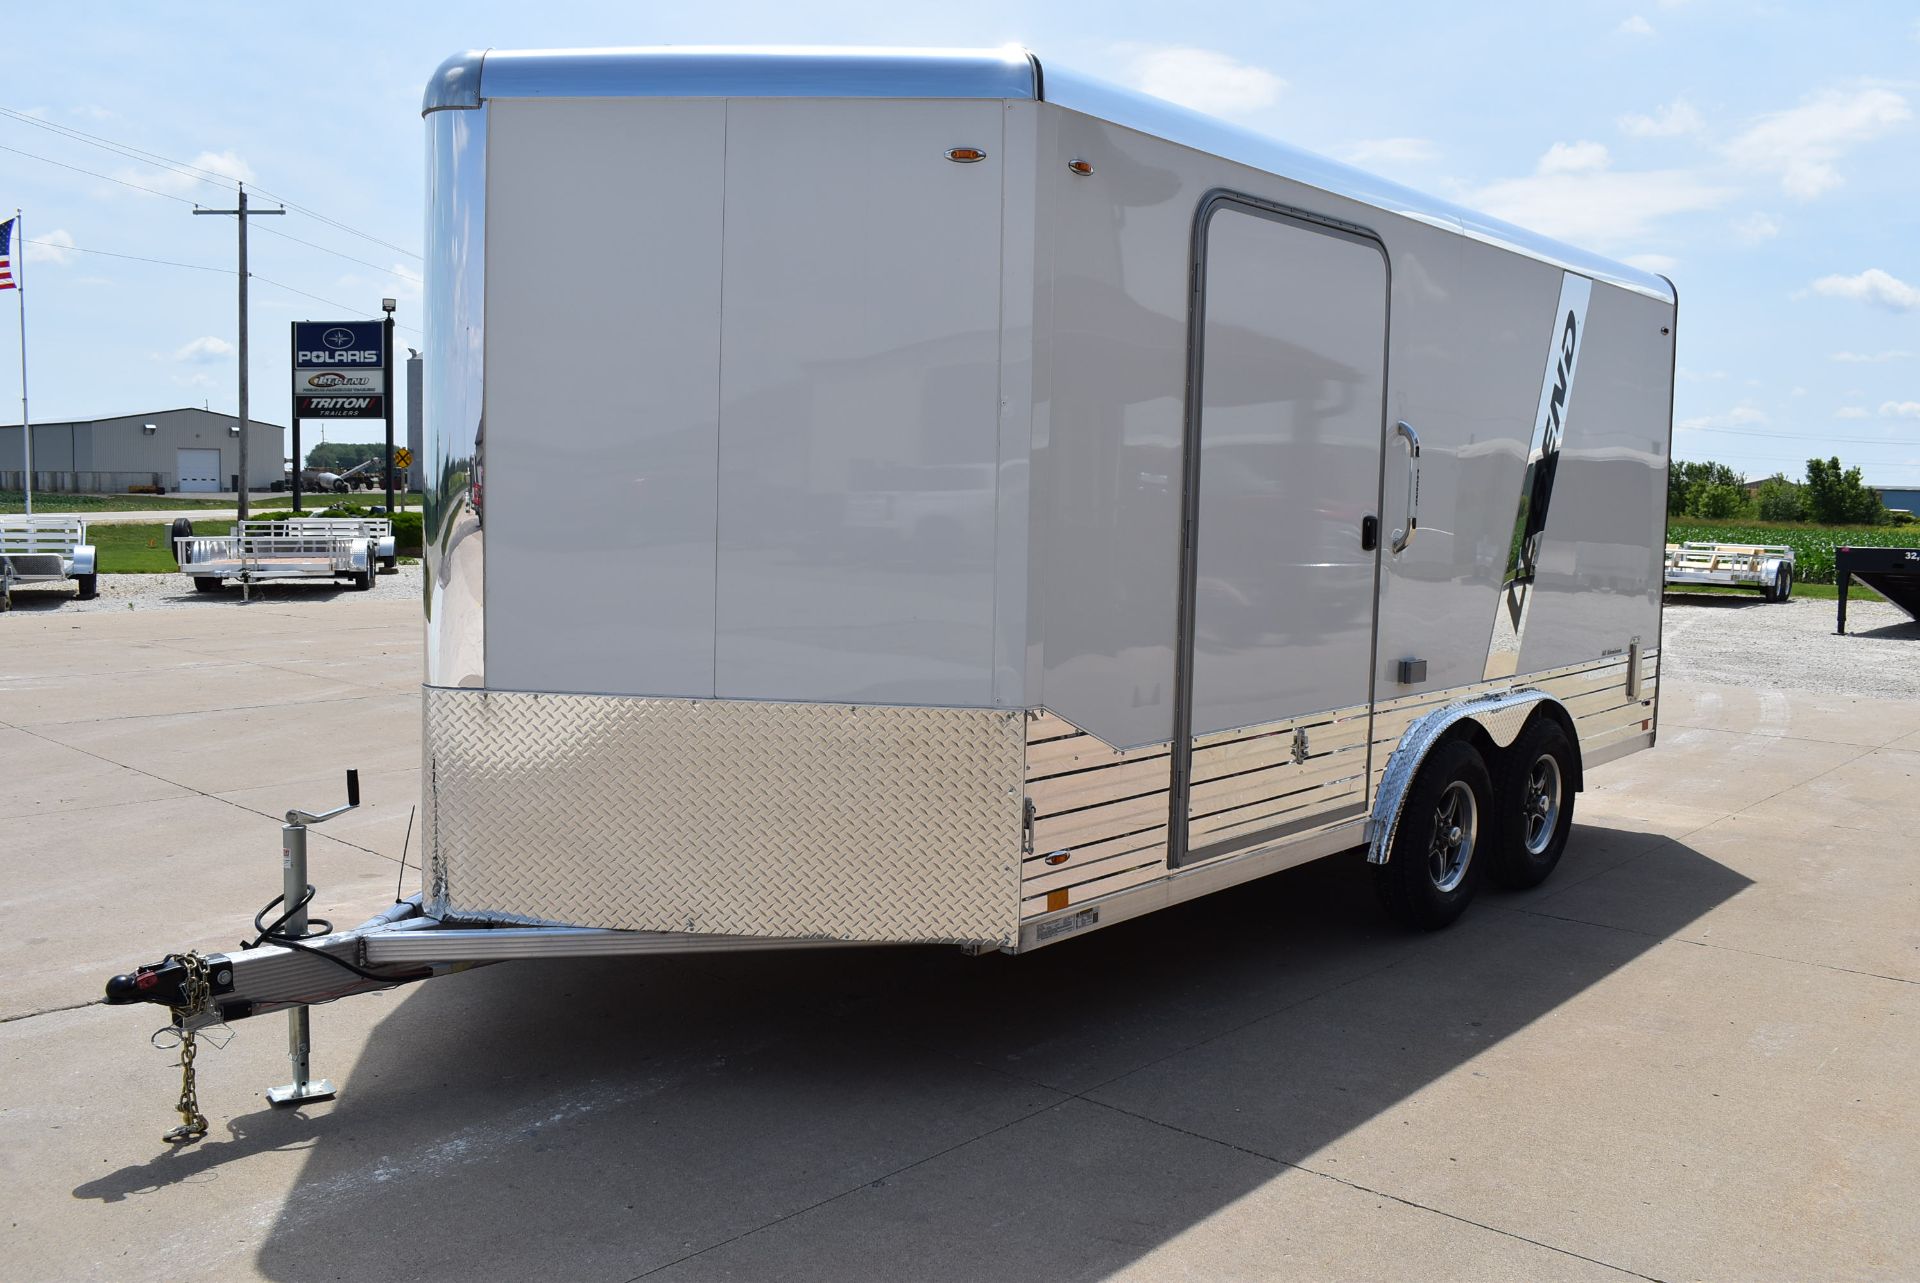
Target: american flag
x=6 y=255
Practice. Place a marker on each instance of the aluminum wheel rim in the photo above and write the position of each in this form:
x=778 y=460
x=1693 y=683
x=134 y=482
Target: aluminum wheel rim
x=1456 y=824
x=1542 y=803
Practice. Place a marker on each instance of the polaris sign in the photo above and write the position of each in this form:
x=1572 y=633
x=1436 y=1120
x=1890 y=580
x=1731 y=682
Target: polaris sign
x=335 y=357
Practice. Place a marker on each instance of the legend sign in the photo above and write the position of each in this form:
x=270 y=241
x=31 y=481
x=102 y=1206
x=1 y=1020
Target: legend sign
x=339 y=370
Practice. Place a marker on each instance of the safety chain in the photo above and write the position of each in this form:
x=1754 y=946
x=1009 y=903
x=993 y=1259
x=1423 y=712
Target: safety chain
x=198 y=993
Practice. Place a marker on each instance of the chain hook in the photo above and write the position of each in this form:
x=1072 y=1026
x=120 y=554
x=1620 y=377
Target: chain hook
x=198 y=994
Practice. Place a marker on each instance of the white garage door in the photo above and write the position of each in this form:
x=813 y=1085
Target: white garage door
x=198 y=471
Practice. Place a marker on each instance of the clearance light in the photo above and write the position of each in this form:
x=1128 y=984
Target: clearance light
x=1080 y=167
x=965 y=155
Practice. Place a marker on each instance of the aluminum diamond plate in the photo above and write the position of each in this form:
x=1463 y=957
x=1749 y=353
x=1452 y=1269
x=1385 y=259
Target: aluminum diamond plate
x=724 y=816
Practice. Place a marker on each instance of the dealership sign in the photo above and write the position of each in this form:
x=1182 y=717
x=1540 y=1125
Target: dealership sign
x=339 y=370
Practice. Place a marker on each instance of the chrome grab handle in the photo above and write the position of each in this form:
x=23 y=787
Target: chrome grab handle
x=1403 y=537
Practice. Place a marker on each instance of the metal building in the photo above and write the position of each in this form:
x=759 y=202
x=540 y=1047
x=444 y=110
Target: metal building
x=189 y=450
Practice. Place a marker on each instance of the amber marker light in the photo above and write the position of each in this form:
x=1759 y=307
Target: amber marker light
x=965 y=155
x=1080 y=167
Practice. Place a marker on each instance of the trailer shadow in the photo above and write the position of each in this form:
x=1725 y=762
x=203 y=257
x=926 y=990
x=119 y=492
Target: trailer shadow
x=1719 y=601
x=915 y=1112
x=1905 y=630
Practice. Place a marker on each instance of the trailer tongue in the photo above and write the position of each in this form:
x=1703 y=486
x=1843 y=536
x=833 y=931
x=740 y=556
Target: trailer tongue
x=1894 y=573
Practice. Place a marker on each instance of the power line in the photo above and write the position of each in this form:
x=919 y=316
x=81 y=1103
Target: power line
x=316 y=298
x=1784 y=437
x=164 y=262
x=151 y=191
x=391 y=271
x=334 y=222
x=131 y=152
x=186 y=170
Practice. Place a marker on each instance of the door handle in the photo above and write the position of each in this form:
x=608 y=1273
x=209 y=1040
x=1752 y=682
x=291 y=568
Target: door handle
x=1404 y=536
x=1369 y=533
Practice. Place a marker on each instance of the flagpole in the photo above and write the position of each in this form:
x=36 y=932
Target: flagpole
x=20 y=288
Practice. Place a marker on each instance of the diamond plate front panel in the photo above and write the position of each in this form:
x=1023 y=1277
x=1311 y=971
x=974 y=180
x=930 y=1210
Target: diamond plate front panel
x=857 y=822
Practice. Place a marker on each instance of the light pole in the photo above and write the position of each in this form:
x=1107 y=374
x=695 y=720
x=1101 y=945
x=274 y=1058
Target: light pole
x=386 y=400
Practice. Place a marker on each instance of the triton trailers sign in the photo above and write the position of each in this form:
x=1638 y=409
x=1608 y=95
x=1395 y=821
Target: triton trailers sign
x=339 y=370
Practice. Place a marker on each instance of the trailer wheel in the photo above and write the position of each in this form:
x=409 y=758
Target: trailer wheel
x=89 y=586
x=1534 y=795
x=1783 y=585
x=206 y=583
x=181 y=529
x=1434 y=867
x=362 y=580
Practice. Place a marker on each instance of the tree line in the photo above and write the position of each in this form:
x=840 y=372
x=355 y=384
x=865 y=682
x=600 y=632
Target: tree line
x=1829 y=495
x=338 y=456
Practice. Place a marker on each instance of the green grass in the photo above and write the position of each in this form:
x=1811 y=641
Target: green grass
x=14 y=501
x=1677 y=594
x=140 y=549
x=1812 y=545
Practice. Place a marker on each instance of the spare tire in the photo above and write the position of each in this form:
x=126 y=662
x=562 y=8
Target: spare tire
x=181 y=529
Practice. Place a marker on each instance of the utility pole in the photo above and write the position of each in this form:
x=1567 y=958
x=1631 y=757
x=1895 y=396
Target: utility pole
x=386 y=378
x=246 y=422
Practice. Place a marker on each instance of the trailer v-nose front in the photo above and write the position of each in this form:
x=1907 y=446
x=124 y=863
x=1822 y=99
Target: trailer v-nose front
x=999 y=505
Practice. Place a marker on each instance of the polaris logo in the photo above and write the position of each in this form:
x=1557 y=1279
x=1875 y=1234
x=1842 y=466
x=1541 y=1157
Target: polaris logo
x=352 y=356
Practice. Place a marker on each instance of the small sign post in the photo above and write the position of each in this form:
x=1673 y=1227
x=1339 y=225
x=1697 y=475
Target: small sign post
x=340 y=372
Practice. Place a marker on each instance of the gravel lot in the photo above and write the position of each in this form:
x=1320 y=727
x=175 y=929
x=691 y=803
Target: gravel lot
x=1744 y=641
x=176 y=592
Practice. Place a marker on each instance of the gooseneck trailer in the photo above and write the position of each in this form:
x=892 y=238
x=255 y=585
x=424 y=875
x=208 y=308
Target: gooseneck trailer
x=1894 y=573
x=1000 y=505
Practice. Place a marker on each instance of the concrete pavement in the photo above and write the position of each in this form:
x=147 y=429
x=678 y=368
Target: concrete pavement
x=1691 y=1055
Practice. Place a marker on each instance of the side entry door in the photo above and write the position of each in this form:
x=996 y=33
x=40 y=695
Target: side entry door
x=1284 y=440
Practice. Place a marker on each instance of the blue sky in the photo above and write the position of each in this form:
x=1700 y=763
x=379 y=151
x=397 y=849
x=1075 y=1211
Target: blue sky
x=1764 y=155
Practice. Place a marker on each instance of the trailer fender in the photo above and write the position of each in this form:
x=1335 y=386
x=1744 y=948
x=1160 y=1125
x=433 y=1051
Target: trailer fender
x=1501 y=716
x=360 y=555
x=83 y=558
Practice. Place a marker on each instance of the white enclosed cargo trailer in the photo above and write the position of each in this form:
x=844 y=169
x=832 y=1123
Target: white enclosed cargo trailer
x=999 y=505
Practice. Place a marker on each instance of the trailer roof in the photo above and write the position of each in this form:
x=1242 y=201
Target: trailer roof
x=695 y=71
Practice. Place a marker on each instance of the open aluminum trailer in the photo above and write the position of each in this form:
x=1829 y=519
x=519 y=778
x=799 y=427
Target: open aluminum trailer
x=377 y=530
x=1000 y=506
x=1894 y=573
x=45 y=550
x=1768 y=567
x=255 y=551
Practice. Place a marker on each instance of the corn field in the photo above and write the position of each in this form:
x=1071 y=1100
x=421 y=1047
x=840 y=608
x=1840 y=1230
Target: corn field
x=1812 y=545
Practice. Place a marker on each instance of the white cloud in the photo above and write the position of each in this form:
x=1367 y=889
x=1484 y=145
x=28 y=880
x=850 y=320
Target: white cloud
x=1574 y=158
x=1659 y=263
x=1739 y=416
x=1870 y=358
x=1677 y=119
x=1871 y=286
x=1801 y=144
x=1391 y=151
x=1635 y=26
x=204 y=350
x=1575 y=195
x=227 y=164
x=1849 y=412
x=1204 y=80
x=1900 y=409
x=1798 y=392
x=51 y=247
x=91 y=111
x=1755 y=228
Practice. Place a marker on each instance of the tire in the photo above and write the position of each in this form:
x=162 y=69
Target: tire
x=1437 y=859
x=1783 y=586
x=362 y=580
x=206 y=583
x=1533 y=801
x=181 y=529
x=89 y=586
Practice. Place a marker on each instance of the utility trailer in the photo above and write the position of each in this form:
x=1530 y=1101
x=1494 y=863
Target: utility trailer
x=1261 y=510
x=46 y=550
x=1894 y=573
x=377 y=530
x=256 y=551
x=1768 y=567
